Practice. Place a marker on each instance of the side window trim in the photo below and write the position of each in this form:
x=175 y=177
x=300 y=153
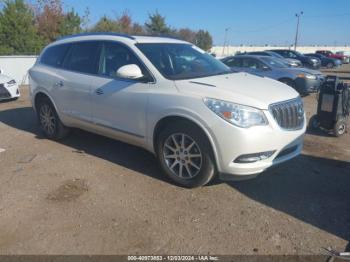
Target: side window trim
x=152 y=79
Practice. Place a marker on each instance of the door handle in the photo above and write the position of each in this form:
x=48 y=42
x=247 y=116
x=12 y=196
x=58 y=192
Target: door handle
x=99 y=91
x=59 y=84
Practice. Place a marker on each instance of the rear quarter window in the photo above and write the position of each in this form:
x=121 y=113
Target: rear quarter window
x=54 y=56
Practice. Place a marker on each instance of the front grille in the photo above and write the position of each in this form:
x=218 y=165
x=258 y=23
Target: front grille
x=289 y=114
x=3 y=92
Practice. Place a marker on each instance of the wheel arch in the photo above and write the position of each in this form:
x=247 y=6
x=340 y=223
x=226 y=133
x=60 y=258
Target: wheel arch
x=42 y=95
x=163 y=122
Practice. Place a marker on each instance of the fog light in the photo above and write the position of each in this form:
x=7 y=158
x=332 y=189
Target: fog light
x=251 y=158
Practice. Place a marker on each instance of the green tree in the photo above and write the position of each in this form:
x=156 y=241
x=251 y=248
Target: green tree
x=71 y=23
x=18 y=34
x=187 y=34
x=137 y=29
x=106 y=24
x=156 y=25
x=204 y=40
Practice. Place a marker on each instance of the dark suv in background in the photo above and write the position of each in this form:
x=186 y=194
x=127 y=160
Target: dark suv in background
x=310 y=62
x=326 y=61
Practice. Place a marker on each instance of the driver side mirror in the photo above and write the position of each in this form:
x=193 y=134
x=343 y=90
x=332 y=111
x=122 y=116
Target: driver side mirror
x=1 y=71
x=131 y=71
x=265 y=68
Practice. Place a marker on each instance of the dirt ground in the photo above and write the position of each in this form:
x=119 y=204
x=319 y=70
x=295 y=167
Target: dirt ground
x=92 y=195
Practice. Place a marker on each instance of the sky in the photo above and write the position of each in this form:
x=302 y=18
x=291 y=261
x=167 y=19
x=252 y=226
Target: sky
x=250 y=22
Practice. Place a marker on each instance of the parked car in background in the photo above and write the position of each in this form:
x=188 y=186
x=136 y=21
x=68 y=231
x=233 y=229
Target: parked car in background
x=303 y=80
x=344 y=53
x=290 y=61
x=310 y=62
x=342 y=57
x=326 y=61
x=8 y=87
x=171 y=98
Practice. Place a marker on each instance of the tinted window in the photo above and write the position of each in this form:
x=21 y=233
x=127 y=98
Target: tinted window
x=233 y=62
x=114 y=56
x=252 y=63
x=54 y=55
x=274 y=62
x=182 y=61
x=83 y=57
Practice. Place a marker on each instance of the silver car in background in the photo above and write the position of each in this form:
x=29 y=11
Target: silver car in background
x=290 y=61
x=303 y=80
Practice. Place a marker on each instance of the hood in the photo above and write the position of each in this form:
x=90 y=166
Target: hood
x=240 y=88
x=4 y=79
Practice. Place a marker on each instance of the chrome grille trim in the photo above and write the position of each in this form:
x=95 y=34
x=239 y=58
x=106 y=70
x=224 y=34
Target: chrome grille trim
x=289 y=114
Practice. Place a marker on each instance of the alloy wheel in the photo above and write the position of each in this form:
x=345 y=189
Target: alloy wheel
x=182 y=156
x=47 y=119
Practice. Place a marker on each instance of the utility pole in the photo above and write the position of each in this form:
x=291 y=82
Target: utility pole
x=225 y=41
x=298 y=15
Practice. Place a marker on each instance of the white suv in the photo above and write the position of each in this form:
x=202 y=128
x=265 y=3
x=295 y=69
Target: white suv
x=171 y=98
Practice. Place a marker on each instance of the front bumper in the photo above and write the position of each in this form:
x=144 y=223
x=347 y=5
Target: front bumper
x=232 y=142
x=9 y=92
x=306 y=86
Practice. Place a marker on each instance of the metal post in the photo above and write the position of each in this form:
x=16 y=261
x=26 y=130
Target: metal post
x=225 y=41
x=297 y=32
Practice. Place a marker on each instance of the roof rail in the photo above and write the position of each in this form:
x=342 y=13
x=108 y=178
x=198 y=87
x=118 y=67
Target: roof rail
x=160 y=35
x=97 y=33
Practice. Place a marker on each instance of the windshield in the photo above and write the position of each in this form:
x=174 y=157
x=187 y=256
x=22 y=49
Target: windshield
x=275 y=62
x=298 y=53
x=182 y=61
x=275 y=55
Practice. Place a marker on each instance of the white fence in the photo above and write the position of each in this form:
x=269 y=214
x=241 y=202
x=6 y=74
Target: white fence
x=17 y=67
x=231 y=50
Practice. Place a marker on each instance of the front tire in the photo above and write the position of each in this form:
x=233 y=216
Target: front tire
x=314 y=123
x=185 y=154
x=49 y=121
x=340 y=127
x=330 y=65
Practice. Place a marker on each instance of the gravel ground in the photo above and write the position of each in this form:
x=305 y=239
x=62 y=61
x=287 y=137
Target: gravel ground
x=92 y=195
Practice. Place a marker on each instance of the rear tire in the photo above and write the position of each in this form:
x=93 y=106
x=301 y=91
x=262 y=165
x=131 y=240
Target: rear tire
x=185 y=154
x=49 y=121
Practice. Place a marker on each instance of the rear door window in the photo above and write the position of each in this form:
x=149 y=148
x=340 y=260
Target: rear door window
x=54 y=56
x=83 y=57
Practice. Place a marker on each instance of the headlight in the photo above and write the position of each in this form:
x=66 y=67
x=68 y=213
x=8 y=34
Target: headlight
x=11 y=83
x=308 y=76
x=239 y=115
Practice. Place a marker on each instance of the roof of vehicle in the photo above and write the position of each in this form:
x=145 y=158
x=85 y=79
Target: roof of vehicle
x=248 y=56
x=119 y=37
